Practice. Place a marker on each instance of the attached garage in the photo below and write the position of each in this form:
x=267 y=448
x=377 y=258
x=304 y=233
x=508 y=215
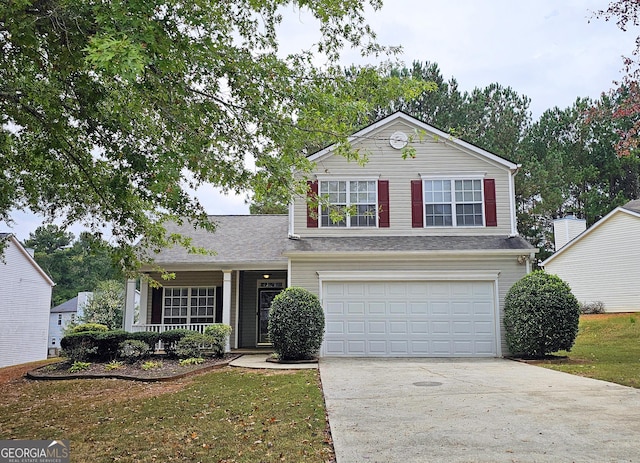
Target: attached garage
x=443 y=315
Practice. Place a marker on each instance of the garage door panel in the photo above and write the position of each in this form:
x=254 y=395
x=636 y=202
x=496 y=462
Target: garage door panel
x=438 y=319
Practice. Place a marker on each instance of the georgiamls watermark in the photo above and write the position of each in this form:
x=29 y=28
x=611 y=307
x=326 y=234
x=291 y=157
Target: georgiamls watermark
x=34 y=451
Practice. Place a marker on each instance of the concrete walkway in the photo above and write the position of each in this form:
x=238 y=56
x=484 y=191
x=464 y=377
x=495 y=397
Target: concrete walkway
x=494 y=410
x=260 y=361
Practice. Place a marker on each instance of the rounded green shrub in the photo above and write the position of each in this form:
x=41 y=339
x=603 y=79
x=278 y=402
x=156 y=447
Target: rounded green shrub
x=80 y=347
x=218 y=335
x=150 y=337
x=133 y=350
x=296 y=324
x=170 y=340
x=540 y=316
x=88 y=327
x=192 y=345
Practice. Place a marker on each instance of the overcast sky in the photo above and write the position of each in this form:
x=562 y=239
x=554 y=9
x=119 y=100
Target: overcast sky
x=548 y=50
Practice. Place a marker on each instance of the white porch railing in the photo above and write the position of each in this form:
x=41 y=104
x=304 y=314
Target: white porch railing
x=199 y=327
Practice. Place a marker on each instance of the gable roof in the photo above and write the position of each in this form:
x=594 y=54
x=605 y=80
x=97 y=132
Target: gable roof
x=433 y=131
x=68 y=306
x=631 y=208
x=238 y=241
x=11 y=237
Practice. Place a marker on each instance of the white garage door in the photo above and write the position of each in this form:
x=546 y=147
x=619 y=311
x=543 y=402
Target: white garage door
x=413 y=318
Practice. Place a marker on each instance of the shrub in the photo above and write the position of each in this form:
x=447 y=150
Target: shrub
x=217 y=336
x=80 y=347
x=192 y=345
x=592 y=307
x=170 y=340
x=114 y=365
x=151 y=364
x=296 y=324
x=540 y=315
x=133 y=350
x=109 y=343
x=150 y=337
x=88 y=327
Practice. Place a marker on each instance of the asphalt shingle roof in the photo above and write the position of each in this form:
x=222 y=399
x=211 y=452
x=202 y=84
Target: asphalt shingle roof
x=68 y=306
x=633 y=206
x=243 y=239
x=263 y=239
x=374 y=244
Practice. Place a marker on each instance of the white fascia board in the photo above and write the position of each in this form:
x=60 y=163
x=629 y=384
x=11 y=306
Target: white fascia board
x=588 y=231
x=447 y=138
x=374 y=275
x=212 y=267
x=395 y=255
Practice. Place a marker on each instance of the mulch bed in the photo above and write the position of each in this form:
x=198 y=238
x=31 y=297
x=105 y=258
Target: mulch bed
x=170 y=369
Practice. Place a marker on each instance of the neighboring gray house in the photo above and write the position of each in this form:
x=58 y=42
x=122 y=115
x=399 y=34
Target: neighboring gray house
x=603 y=263
x=24 y=304
x=420 y=267
x=62 y=315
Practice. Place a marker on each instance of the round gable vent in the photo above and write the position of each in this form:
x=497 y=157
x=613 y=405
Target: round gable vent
x=398 y=140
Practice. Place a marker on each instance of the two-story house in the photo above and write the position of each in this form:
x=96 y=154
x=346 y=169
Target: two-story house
x=417 y=261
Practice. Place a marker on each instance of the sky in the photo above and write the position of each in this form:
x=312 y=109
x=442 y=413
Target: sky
x=552 y=51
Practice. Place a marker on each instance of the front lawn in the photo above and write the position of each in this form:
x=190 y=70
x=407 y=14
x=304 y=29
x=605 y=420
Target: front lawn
x=229 y=415
x=607 y=348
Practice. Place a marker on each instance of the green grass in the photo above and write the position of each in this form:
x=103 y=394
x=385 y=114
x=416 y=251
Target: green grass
x=607 y=347
x=230 y=415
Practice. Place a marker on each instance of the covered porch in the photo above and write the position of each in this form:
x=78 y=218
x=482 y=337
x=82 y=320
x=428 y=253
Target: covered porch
x=195 y=299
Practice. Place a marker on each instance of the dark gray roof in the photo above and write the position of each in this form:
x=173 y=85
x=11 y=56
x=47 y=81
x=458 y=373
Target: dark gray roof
x=410 y=243
x=633 y=206
x=68 y=306
x=238 y=239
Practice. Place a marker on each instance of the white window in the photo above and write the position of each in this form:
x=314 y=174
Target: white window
x=348 y=203
x=453 y=203
x=188 y=305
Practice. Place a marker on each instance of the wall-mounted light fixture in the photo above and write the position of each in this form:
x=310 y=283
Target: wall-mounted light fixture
x=266 y=276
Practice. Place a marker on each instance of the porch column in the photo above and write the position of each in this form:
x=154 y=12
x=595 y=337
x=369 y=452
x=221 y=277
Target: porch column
x=129 y=304
x=226 y=303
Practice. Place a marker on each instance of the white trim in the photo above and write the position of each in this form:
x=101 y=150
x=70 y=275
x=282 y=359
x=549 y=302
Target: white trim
x=144 y=300
x=453 y=203
x=226 y=304
x=589 y=230
x=395 y=255
x=426 y=275
x=347 y=219
x=346 y=177
x=236 y=325
x=436 y=133
x=496 y=315
x=453 y=176
x=512 y=203
x=129 y=304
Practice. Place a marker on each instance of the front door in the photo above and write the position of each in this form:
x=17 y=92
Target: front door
x=267 y=290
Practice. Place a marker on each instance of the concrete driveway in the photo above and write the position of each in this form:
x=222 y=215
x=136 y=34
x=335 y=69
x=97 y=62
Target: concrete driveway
x=463 y=410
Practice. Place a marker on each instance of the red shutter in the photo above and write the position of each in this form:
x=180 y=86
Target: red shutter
x=156 y=306
x=383 y=203
x=490 y=214
x=312 y=210
x=417 y=204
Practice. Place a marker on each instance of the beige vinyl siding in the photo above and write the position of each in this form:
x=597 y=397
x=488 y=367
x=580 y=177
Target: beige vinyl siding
x=433 y=156
x=304 y=272
x=605 y=264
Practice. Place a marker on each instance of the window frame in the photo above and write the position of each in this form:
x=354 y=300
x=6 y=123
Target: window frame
x=348 y=204
x=189 y=317
x=453 y=203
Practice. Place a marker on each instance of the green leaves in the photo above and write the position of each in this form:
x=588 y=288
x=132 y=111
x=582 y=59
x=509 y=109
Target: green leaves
x=112 y=112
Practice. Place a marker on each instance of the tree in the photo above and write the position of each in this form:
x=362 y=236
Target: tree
x=626 y=12
x=106 y=306
x=112 y=111
x=73 y=264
